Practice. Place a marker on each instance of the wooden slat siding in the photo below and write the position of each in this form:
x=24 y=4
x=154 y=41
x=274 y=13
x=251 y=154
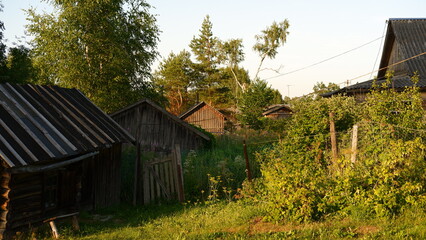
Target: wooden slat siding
x=208 y=119
x=159 y=131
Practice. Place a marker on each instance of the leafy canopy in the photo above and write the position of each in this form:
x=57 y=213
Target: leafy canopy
x=103 y=48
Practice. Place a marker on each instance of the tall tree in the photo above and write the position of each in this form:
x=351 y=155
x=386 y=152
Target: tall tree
x=320 y=88
x=3 y=68
x=19 y=65
x=211 y=87
x=270 y=40
x=231 y=54
x=205 y=46
x=176 y=76
x=104 y=48
x=258 y=96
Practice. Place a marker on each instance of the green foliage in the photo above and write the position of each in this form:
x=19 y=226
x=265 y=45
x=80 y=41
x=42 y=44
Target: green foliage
x=106 y=49
x=176 y=76
x=302 y=182
x=270 y=40
x=19 y=65
x=320 y=88
x=258 y=96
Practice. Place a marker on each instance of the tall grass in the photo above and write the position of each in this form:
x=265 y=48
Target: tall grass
x=223 y=164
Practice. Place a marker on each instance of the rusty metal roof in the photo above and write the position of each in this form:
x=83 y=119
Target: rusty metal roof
x=42 y=123
x=405 y=38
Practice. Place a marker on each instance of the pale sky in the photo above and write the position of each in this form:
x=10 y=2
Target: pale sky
x=318 y=30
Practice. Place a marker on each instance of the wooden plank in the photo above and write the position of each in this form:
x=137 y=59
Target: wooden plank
x=180 y=191
x=48 y=123
x=160 y=184
x=146 y=190
x=354 y=143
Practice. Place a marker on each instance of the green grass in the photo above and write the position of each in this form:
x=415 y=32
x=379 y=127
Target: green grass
x=230 y=220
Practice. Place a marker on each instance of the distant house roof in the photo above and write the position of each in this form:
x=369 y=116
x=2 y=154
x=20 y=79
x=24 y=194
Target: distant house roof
x=42 y=123
x=405 y=38
x=197 y=107
x=277 y=107
x=169 y=115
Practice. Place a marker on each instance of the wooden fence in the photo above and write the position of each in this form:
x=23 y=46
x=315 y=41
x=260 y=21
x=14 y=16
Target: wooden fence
x=160 y=179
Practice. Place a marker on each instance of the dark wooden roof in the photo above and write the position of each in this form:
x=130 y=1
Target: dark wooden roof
x=196 y=107
x=405 y=38
x=169 y=115
x=42 y=123
x=275 y=108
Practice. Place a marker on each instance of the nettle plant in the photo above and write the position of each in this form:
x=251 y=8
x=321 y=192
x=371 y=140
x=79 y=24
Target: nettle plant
x=302 y=182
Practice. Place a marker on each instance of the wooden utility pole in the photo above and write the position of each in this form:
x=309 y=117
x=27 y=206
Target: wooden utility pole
x=248 y=172
x=354 y=143
x=333 y=137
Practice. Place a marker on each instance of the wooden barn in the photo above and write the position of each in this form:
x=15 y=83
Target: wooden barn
x=158 y=130
x=278 y=111
x=206 y=117
x=58 y=152
x=403 y=54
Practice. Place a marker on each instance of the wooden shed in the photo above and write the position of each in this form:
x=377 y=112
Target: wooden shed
x=278 y=111
x=58 y=152
x=206 y=117
x=158 y=130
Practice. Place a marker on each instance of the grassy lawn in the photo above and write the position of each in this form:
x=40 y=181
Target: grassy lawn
x=223 y=220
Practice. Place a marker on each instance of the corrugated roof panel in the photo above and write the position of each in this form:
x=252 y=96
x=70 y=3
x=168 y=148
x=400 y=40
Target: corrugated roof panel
x=39 y=123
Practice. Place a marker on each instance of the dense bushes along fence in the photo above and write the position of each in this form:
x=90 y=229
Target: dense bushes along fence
x=302 y=181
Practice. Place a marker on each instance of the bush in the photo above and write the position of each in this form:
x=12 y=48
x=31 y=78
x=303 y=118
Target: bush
x=302 y=182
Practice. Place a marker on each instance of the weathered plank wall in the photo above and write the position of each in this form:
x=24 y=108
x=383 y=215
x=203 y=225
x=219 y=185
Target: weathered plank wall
x=208 y=119
x=156 y=131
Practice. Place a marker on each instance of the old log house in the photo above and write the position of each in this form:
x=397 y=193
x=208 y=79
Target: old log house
x=404 y=54
x=206 y=117
x=278 y=111
x=58 y=152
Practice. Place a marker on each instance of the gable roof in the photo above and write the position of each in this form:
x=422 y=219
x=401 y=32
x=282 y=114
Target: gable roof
x=42 y=123
x=169 y=115
x=275 y=108
x=198 y=106
x=405 y=39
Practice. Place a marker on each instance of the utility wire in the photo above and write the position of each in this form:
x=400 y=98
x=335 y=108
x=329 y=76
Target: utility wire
x=381 y=44
x=325 y=60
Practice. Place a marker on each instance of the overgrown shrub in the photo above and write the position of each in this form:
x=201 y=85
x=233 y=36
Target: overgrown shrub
x=302 y=182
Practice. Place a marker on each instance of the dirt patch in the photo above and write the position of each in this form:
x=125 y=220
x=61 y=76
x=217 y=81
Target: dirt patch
x=365 y=230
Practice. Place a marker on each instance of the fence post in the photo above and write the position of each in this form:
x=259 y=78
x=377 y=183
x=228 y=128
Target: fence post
x=248 y=172
x=137 y=173
x=333 y=137
x=178 y=163
x=354 y=143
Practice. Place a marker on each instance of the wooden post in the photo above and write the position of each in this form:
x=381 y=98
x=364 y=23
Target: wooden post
x=54 y=229
x=146 y=192
x=178 y=164
x=248 y=172
x=333 y=137
x=75 y=224
x=4 y=205
x=354 y=143
x=137 y=173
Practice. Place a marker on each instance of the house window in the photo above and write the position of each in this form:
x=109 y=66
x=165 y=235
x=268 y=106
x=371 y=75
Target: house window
x=50 y=191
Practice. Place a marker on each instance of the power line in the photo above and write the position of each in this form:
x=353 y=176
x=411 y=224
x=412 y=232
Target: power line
x=325 y=60
x=381 y=43
x=383 y=68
